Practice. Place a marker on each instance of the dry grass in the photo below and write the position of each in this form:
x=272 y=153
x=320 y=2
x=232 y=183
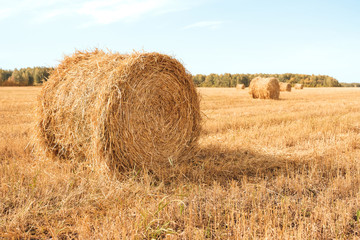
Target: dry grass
x=286 y=169
x=130 y=111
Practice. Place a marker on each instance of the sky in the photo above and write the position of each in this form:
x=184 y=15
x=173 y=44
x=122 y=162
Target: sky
x=207 y=36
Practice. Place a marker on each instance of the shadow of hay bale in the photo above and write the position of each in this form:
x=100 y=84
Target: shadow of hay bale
x=222 y=165
x=215 y=164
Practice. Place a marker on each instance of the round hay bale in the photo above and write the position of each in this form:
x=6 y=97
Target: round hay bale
x=240 y=86
x=133 y=110
x=285 y=87
x=264 y=88
x=298 y=86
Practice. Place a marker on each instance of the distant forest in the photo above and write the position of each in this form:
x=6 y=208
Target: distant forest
x=230 y=80
x=25 y=76
x=37 y=75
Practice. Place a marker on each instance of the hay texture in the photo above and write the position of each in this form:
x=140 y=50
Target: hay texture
x=298 y=86
x=264 y=88
x=240 y=86
x=285 y=87
x=131 y=110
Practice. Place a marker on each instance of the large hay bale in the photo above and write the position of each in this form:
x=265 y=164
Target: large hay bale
x=136 y=110
x=240 y=86
x=285 y=87
x=298 y=86
x=264 y=88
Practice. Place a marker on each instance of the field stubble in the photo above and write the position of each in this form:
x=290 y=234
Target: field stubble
x=286 y=169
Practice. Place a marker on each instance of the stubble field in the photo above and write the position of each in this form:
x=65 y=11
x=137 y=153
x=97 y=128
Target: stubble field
x=266 y=169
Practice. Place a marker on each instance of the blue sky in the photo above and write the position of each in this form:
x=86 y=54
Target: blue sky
x=208 y=36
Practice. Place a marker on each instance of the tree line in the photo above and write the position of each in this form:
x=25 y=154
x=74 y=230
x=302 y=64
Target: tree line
x=25 y=76
x=230 y=80
x=37 y=75
x=350 y=84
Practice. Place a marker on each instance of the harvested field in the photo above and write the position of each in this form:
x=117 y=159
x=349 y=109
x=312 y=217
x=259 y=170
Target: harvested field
x=286 y=169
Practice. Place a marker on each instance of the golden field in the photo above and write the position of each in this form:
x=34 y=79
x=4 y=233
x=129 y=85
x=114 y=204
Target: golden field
x=266 y=169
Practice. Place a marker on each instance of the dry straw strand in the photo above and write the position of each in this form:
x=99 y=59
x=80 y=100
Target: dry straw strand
x=264 y=88
x=285 y=87
x=240 y=86
x=128 y=110
x=299 y=86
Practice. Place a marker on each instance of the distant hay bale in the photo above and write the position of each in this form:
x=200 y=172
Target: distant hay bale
x=240 y=86
x=298 y=86
x=285 y=87
x=133 y=110
x=264 y=88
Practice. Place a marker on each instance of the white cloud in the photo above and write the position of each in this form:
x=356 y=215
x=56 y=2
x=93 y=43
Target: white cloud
x=43 y=17
x=109 y=11
x=5 y=13
x=205 y=24
x=36 y=9
x=99 y=11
